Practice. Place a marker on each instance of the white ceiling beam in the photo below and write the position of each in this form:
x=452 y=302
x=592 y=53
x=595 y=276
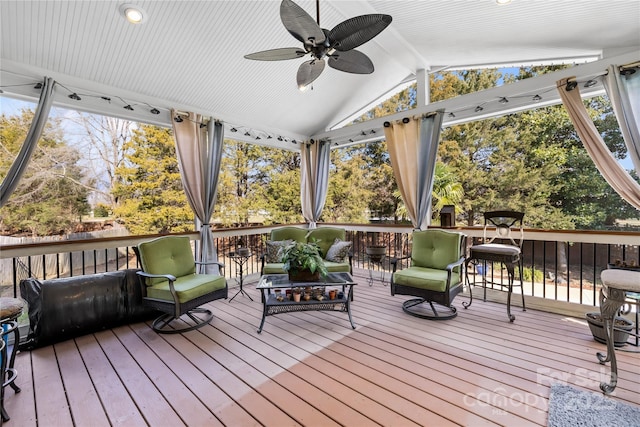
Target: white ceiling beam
x=519 y=94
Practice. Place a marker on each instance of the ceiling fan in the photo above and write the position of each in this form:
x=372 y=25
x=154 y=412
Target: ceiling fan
x=337 y=45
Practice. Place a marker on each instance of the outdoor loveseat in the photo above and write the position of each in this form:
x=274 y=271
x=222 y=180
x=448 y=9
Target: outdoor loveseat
x=325 y=237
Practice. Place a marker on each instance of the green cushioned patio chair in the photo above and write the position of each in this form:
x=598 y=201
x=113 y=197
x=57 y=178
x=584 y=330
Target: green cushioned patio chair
x=435 y=274
x=173 y=287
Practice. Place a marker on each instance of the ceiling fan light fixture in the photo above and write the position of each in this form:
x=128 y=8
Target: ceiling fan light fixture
x=133 y=14
x=335 y=46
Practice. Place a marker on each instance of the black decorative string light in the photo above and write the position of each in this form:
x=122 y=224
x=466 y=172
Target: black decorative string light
x=258 y=135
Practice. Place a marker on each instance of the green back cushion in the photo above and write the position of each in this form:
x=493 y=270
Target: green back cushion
x=167 y=255
x=435 y=248
x=326 y=236
x=296 y=234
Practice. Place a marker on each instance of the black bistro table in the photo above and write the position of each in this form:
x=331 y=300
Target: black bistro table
x=272 y=305
x=240 y=259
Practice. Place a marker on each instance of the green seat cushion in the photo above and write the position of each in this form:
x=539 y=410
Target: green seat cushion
x=325 y=237
x=424 y=278
x=296 y=234
x=273 y=268
x=167 y=255
x=187 y=287
x=337 y=267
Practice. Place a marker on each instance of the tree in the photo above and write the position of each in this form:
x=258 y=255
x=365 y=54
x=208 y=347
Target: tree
x=52 y=194
x=149 y=190
x=281 y=188
x=347 y=199
x=500 y=162
x=582 y=193
x=102 y=142
x=259 y=183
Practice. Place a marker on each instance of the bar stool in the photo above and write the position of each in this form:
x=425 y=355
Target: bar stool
x=615 y=284
x=10 y=310
x=505 y=248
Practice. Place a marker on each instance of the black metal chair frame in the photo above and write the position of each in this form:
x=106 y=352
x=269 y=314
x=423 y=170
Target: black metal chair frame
x=504 y=222
x=9 y=373
x=442 y=298
x=175 y=309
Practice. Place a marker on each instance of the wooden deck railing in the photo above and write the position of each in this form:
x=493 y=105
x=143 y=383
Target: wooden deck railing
x=558 y=265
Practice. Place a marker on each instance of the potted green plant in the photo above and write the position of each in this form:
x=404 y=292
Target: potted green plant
x=303 y=262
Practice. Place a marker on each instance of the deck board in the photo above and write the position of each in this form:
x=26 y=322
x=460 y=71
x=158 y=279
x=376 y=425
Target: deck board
x=84 y=401
x=313 y=369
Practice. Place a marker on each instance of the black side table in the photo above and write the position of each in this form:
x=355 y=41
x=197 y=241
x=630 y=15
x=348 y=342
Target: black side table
x=374 y=261
x=240 y=261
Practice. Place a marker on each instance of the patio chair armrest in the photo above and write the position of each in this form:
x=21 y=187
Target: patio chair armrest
x=210 y=263
x=169 y=277
x=457 y=263
x=394 y=261
x=219 y=264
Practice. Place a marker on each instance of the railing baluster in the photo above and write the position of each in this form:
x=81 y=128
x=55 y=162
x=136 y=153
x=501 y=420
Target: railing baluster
x=568 y=271
x=579 y=264
x=544 y=269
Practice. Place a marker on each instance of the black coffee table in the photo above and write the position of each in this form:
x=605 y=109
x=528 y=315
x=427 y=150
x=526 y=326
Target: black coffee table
x=272 y=306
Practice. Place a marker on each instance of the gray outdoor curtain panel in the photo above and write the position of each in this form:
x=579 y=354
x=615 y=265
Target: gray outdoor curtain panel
x=314 y=179
x=607 y=164
x=199 y=151
x=624 y=93
x=19 y=165
x=413 y=148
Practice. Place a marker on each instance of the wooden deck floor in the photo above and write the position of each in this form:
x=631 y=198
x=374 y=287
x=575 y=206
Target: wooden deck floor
x=311 y=368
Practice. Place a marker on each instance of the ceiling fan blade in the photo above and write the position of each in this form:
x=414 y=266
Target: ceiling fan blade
x=353 y=32
x=351 y=61
x=277 y=54
x=300 y=24
x=309 y=71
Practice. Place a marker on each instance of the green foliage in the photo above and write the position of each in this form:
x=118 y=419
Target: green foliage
x=304 y=256
x=258 y=185
x=52 y=194
x=347 y=198
x=149 y=191
x=101 y=210
x=528 y=273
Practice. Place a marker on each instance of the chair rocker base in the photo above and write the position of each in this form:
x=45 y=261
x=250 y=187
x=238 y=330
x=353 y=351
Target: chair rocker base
x=161 y=324
x=415 y=308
